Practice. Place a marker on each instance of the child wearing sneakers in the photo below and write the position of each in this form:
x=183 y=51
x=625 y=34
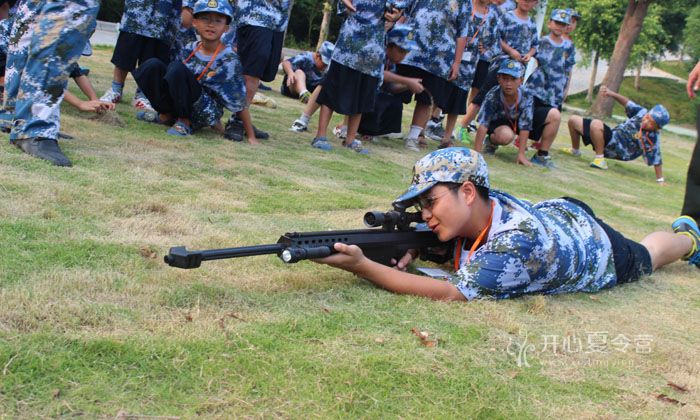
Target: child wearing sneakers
x=503 y=247
x=353 y=78
x=637 y=136
x=193 y=93
x=145 y=32
x=507 y=113
x=555 y=59
x=304 y=72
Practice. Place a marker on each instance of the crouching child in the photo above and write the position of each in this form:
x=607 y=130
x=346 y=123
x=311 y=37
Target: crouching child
x=192 y=93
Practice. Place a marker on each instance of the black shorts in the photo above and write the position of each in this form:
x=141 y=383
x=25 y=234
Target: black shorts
x=348 y=91
x=131 y=50
x=490 y=81
x=482 y=70
x=284 y=89
x=607 y=132
x=386 y=117
x=539 y=118
x=3 y=63
x=436 y=87
x=260 y=50
x=456 y=102
x=534 y=132
x=632 y=259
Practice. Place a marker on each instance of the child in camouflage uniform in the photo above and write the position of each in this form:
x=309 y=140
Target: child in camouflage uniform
x=637 y=136
x=351 y=84
x=502 y=247
x=192 y=93
x=146 y=31
x=439 y=24
x=555 y=61
x=507 y=113
x=304 y=72
x=519 y=41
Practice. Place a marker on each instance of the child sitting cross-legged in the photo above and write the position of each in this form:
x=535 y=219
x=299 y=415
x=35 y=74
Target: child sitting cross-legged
x=192 y=93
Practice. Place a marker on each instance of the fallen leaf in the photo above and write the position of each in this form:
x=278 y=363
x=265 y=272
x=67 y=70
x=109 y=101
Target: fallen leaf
x=665 y=398
x=188 y=317
x=379 y=340
x=679 y=388
x=594 y=298
x=56 y=393
x=326 y=310
x=147 y=252
x=513 y=373
x=423 y=336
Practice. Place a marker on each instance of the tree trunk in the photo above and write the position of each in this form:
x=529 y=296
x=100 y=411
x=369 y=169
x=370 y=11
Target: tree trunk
x=284 y=37
x=325 y=24
x=638 y=76
x=629 y=32
x=594 y=74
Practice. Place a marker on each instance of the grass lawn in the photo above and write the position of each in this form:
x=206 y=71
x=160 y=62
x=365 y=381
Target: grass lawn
x=676 y=67
x=653 y=90
x=92 y=322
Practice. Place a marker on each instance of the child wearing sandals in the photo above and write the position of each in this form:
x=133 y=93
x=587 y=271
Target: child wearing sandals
x=351 y=83
x=193 y=93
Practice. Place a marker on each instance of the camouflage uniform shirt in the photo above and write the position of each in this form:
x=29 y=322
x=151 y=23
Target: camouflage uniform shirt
x=361 y=42
x=158 y=19
x=549 y=248
x=494 y=109
x=306 y=63
x=555 y=62
x=438 y=24
x=270 y=14
x=489 y=34
x=519 y=34
x=222 y=85
x=470 y=56
x=626 y=141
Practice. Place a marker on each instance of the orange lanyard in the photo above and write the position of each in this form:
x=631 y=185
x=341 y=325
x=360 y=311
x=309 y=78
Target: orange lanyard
x=213 y=57
x=513 y=123
x=478 y=29
x=475 y=245
x=644 y=142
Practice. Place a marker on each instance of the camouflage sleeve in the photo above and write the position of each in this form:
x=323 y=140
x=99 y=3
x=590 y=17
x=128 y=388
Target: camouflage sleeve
x=535 y=40
x=463 y=19
x=497 y=269
x=303 y=61
x=634 y=108
x=525 y=120
x=487 y=111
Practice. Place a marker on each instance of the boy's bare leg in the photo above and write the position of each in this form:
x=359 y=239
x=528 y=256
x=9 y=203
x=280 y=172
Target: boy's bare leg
x=353 y=122
x=472 y=93
x=575 y=125
x=119 y=75
x=598 y=136
x=502 y=135
x=312 y=106
x=251 y=87
x=244 y=115
x=300 y=84
x=551 y=129
x=450 y=123
x=324 y=117
x=472 y=111
x=666 y=247
x=421 y=113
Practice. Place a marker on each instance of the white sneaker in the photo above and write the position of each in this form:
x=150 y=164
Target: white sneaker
x=392 y=135
x=341 y=132
x=298 y=126
x=111 y=96
x=141 y=102
x=411 y=144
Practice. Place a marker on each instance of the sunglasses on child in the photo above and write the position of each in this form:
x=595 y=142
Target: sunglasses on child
x=427 y=203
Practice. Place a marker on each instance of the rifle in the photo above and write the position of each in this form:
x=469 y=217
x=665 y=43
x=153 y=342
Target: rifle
x=389 y=236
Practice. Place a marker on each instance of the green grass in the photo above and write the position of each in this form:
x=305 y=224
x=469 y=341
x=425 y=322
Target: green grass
x=652 y=91
x=676 y=67
x=93 y=323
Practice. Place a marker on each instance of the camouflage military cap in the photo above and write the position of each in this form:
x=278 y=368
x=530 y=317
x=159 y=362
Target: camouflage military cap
x=222 y=7
x=574 y=14
x=660 y=115
x=326 y=52
x=511 y=68
x=453 y=164
x=561 y=15
x=403 y=36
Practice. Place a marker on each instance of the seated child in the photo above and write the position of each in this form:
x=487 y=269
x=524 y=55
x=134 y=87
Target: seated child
x=507 y=113
x=304 y=72
x=637 y=136
x=193 y=93
x=503 y=247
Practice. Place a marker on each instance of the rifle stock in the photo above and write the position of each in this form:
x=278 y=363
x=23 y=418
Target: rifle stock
x=390 y=239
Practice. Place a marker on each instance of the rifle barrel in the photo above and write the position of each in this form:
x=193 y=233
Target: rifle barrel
x=182 y=258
